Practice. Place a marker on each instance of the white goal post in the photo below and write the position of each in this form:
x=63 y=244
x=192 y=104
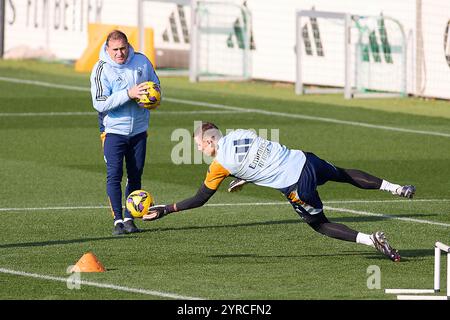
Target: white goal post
x=361 y=56
x=221 y=41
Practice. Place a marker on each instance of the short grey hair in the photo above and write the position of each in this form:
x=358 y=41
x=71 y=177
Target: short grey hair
x=116 y=35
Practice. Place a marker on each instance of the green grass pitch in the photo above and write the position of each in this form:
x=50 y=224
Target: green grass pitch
x=247 y=246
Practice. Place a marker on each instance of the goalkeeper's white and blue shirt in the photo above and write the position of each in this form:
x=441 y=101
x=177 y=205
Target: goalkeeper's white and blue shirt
x=245 y=155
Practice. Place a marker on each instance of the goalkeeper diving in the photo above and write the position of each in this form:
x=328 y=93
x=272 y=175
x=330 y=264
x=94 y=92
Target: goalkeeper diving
x=295 y=173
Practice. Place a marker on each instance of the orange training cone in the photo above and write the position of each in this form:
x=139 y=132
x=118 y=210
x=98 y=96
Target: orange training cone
x=88 y=263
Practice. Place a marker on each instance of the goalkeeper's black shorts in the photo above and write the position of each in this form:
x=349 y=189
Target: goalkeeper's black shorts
x=303 y=194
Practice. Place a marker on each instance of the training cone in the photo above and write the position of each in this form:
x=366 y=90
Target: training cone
x=88 y=263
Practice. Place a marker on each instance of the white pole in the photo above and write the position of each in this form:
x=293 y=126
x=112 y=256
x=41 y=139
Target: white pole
x=438 y=246
x=412 y=291
x=140 y=20
x=347 y=40
x=247 y=43
x=437 y=268
x=442 y=246
x=448 y=274
x=409 y=297
x=298 y=48
x=2 y=27
x=193 y=58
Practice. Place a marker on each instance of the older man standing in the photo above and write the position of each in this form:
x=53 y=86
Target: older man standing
x=117 y=79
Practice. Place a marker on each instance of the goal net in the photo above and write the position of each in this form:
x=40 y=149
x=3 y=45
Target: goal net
x=361 y=56
x=220 y=47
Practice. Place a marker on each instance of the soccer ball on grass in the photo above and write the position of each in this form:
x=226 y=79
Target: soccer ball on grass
x=152 y=99
x=138 y=203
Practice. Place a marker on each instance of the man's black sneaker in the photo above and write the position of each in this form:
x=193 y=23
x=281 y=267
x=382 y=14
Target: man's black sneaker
x=382 y=245
x=130 y=227
x=118 y=229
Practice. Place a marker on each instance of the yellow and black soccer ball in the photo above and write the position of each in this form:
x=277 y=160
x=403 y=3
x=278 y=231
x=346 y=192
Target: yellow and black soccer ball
x=152 y=99
x=138 y=203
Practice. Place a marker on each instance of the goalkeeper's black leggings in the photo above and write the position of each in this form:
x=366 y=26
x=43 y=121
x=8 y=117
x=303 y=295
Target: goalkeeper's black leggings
x=358 y=178
x=340 y=231
x=307 y=203
x=334 y=230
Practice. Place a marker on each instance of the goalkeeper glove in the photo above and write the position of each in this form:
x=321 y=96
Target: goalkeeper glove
x=156 y=212
x=236 y=185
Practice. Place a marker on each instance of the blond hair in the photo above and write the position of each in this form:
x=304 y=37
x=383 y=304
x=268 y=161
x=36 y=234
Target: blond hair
x=208 y=130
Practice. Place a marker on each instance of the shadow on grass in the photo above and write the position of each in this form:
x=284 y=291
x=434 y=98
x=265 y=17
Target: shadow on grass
x=279 y=222
x=127 y=236
x=258 y=256
x=407 y=255
x=60 y=242
x=404 y=253
x=92 y=239
x=237 y=225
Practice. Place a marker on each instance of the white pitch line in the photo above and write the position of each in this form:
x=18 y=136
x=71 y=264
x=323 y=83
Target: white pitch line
x=46 y=114
x=386 y=216
x=357 y=212
x=44 y=84
x=313 y=118
x=62 y=114
x=258 y=111
x=54 y=208
x=100 y=285
x=231 y=204
x=381 y=201
x=199 y=111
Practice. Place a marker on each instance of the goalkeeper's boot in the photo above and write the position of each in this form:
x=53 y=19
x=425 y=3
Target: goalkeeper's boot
x=406 y=191
x=118 y=229
x=381 y=244
x=130 y=227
